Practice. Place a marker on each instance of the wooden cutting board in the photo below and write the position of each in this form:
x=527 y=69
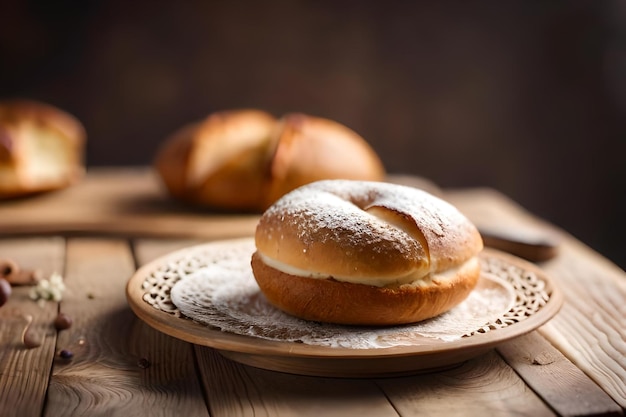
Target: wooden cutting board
x=133 y=202
x=128 y=201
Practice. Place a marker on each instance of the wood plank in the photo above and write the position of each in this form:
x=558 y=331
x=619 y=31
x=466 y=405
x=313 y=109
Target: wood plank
x=556 y=379
x=128 y=201
x=483 y=386
x=120 y=366
x=591 y=327
x=233 y=389
x=24 y=372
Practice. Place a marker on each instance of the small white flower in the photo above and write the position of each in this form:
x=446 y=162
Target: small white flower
x=48 y=289
x=56 y=280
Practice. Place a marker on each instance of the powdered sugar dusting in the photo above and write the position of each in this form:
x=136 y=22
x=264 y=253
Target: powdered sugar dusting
x=224 y=295
x=336 y=213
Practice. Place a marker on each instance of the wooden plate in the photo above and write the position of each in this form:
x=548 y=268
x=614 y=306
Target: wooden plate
x=532 y=299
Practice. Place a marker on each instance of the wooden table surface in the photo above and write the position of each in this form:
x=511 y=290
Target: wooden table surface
x=573 y=365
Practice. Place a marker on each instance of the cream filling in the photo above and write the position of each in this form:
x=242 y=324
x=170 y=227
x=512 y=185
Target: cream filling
x=414 y=279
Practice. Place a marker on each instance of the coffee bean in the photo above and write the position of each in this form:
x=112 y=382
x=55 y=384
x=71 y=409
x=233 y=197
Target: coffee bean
x=63 y=321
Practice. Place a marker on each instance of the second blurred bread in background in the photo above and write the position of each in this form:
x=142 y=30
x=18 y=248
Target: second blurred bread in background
x=244 y=160
x=41 y=148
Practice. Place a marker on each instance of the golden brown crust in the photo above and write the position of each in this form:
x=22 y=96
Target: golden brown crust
x=369 y=229
x=220 y=161
x=245 y=159
x=310 y=149
x=331 y=301
x=371 y=238
x=41 y=148
x=17 y=111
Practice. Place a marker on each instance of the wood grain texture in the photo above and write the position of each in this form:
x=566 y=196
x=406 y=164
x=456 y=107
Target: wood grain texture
x=233 y=389
x=591 y=327
x=118 y=202
x=481 y=387
x=23 y=372
x=120 y=365
x=557 y=380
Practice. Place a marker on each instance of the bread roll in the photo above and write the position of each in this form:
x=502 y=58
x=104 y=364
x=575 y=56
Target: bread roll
x=244 y=160
x=365 y=253
x=219 y=162
x=41 y=148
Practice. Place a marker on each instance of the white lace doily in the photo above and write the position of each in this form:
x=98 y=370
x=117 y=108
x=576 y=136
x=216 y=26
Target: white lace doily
x=215 y=286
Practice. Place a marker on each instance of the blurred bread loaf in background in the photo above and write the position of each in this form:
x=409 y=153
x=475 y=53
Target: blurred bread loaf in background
x=41 y=148
x=244 y=160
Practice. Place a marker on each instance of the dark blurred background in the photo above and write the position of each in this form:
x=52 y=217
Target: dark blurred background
x=528 y=97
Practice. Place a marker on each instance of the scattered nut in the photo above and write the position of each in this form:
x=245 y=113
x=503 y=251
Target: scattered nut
x=11 y=271
x=25 y=277
x=63 y=321
x=31 y=339
x=5 y=291
x=8 y=268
